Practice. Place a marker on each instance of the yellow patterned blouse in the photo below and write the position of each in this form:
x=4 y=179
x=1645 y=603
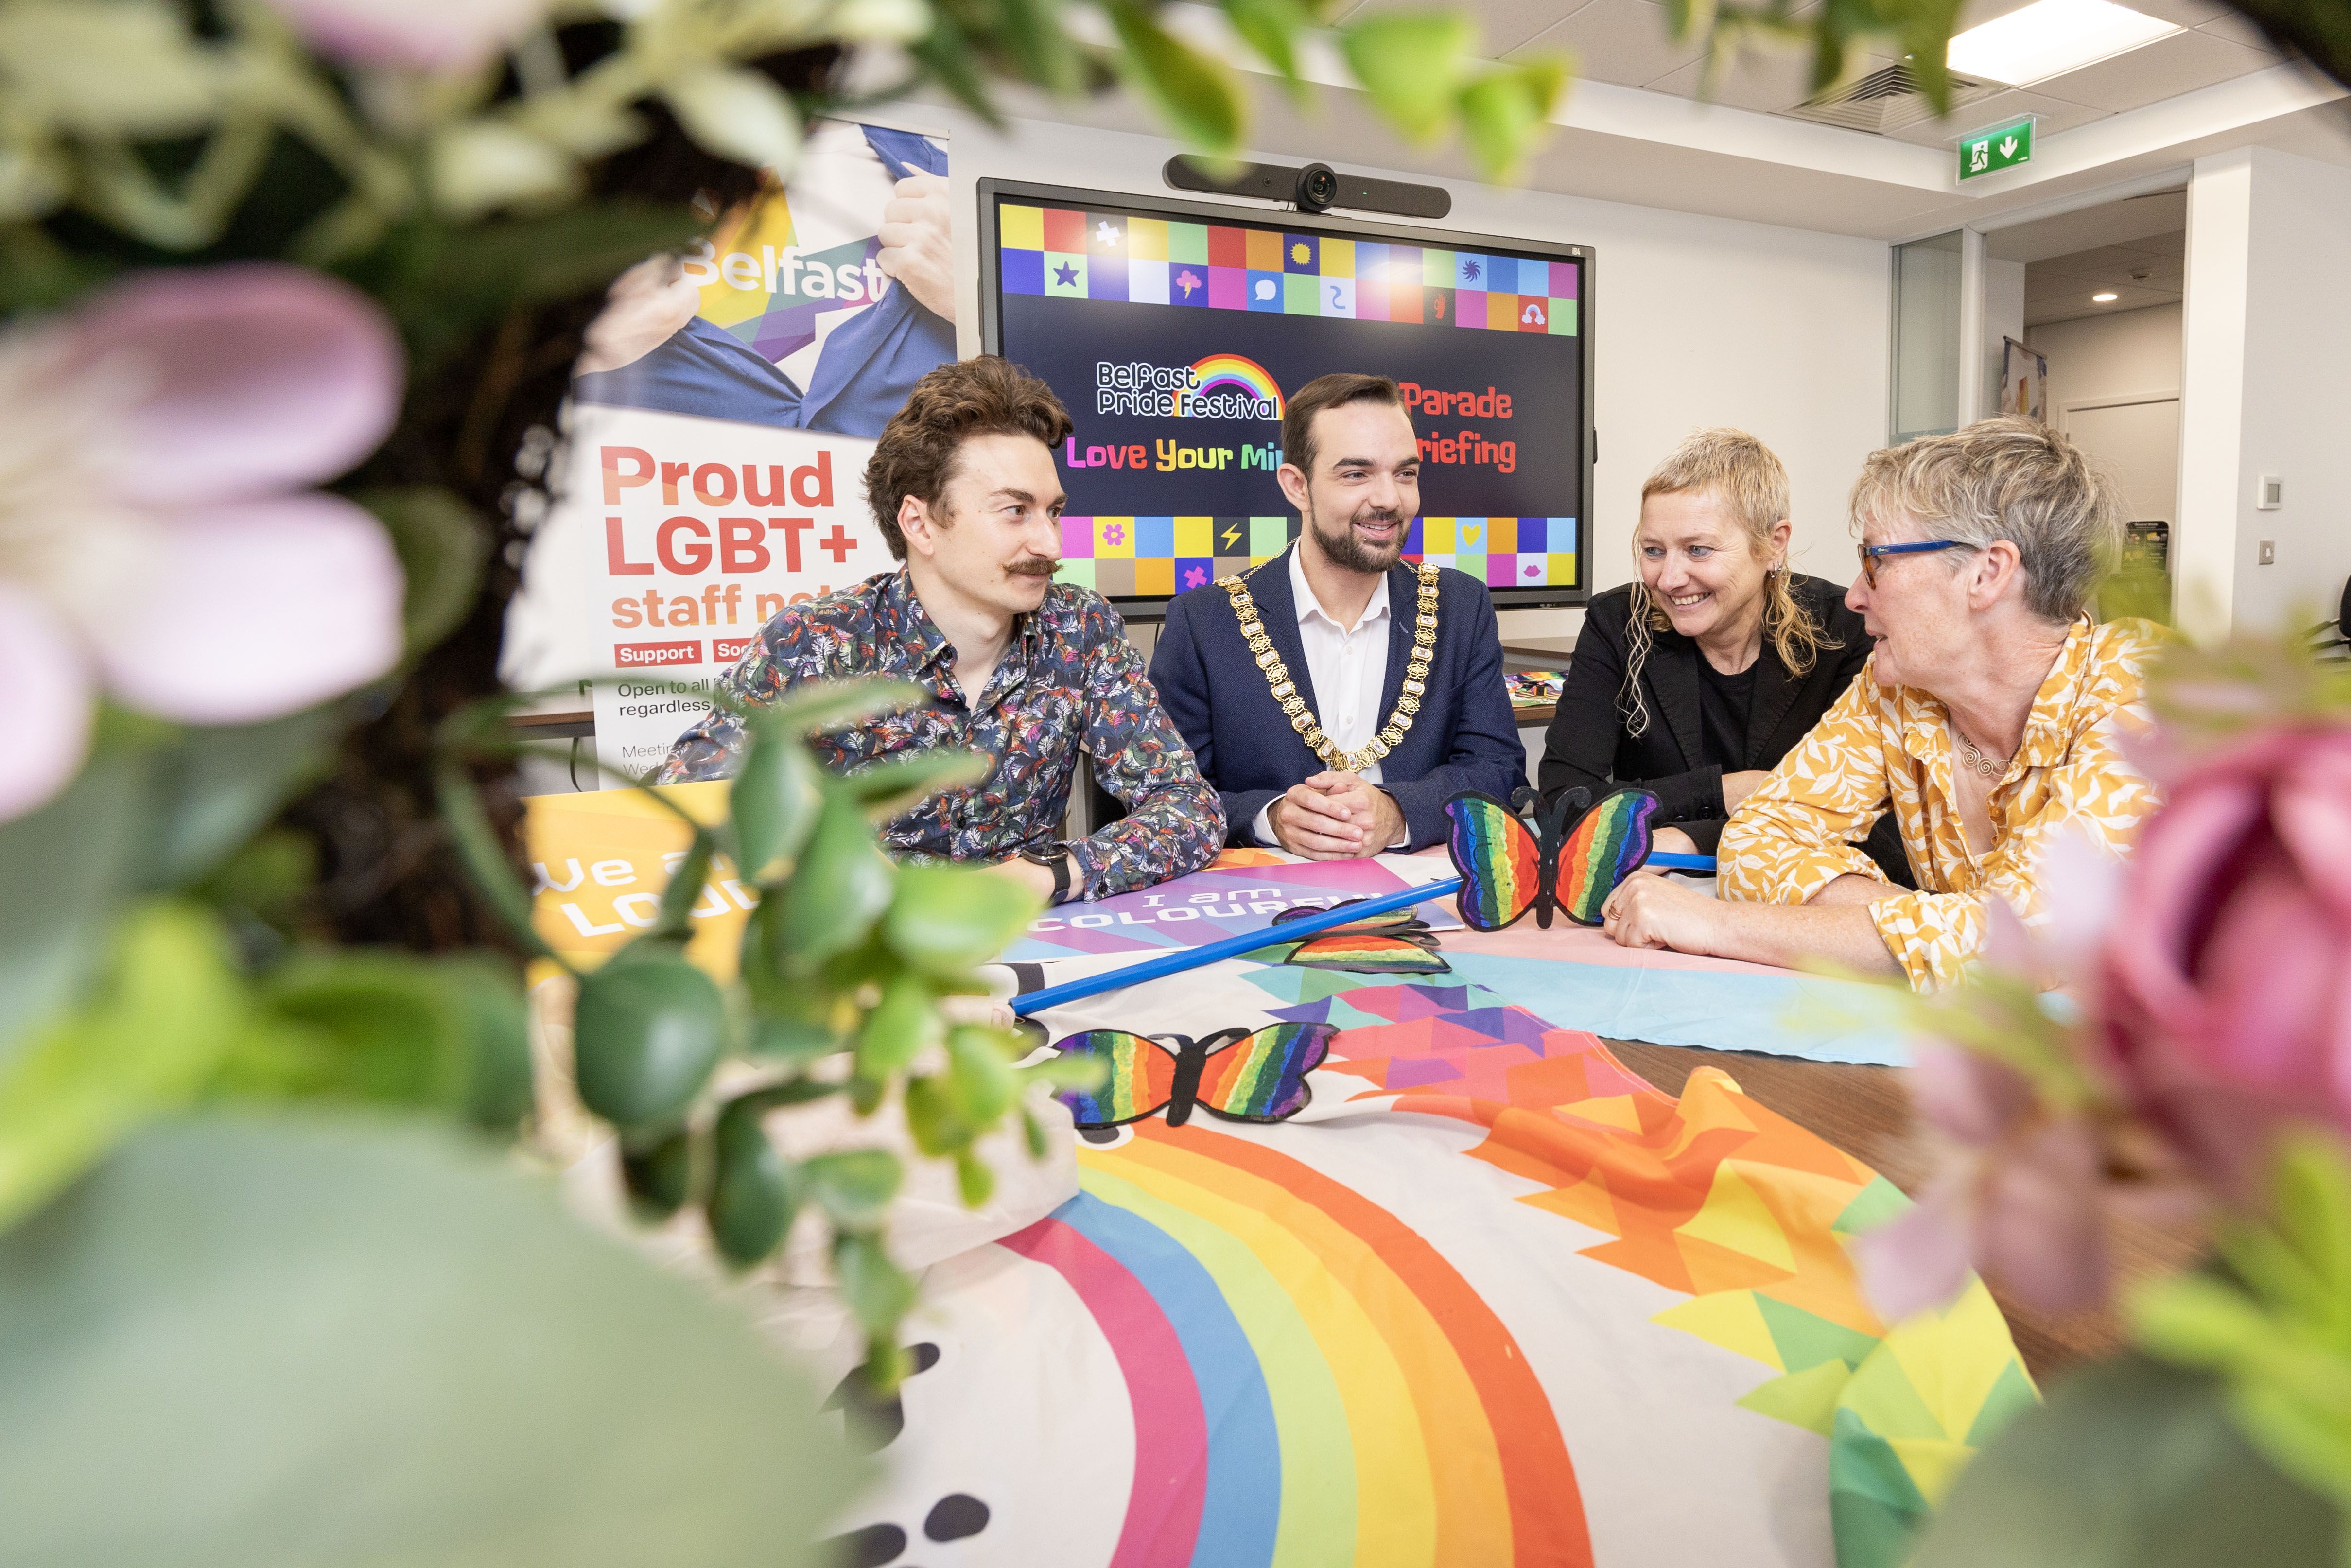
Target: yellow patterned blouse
x=1879 y=745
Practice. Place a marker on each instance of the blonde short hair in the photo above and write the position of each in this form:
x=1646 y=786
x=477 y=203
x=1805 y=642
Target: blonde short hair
x=1743 y=472
x=2008 y=478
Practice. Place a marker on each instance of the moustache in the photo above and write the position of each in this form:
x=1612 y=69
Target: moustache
x=1378 y=515
x=1032 y=566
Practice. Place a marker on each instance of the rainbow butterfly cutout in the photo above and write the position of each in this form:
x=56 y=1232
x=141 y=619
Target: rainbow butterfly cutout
x=1242 y=1075
x=1397 y=941
x=1571 y=860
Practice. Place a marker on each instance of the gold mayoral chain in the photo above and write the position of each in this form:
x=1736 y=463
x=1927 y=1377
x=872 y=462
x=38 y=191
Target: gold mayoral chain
x=1301 y=718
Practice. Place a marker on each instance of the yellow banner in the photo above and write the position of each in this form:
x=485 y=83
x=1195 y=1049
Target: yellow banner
x=600 y=860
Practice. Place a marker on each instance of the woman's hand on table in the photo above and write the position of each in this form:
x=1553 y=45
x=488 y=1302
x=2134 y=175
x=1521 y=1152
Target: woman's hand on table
x=1658 y=911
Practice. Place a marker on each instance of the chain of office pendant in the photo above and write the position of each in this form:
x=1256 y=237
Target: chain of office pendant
x=1301 y=718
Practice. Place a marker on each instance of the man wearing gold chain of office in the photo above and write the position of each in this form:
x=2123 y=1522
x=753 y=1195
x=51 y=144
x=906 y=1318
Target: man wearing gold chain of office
x=1335 y=695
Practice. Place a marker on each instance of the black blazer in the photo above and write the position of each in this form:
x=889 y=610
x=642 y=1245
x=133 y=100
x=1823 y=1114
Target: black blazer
x=1587 y=743
x=1464 y=738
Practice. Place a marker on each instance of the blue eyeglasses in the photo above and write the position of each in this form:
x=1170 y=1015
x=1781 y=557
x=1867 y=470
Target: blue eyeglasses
x=1869 y=553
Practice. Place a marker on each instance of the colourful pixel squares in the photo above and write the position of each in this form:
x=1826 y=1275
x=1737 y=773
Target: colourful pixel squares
x=1062 y=254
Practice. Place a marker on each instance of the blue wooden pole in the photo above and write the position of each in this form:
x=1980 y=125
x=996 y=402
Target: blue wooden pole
x=1182 y=958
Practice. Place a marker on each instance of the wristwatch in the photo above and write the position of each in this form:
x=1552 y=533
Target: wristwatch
x=1055 y=858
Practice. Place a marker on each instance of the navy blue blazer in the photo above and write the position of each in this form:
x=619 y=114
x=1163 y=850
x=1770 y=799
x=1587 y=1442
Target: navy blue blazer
x=1464 y=736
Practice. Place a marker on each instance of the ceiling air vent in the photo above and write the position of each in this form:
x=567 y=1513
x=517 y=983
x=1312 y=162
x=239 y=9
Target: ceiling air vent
x=1884 y=100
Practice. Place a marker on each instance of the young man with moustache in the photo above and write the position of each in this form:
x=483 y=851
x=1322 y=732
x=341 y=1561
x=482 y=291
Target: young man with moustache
x=1025 y=670
x=1335 y=696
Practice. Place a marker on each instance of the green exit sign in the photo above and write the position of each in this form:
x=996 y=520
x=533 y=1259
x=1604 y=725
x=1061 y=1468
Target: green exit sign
x=2001 y=147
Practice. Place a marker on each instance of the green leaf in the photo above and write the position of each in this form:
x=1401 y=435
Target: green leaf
x=443 y=548
x=169 y=1011
x=952 y=59
x=477 y=166
x=973 y=1180
x=215 y=786
x=755 y=1192
x=647 y=1034
x=659 y=1179
x=493 y=1019
x=1032 y=1132
x=1040 y=41
x=774 y=803
x=739 y=114
x=485 y=860
x=1505 y=111
x=981 y=1069
x=1196 y=95
x=671 y=917
x=945 y=919
x=887 y=789
x=901 y=1025
x=380 y=1028
x=66 y=868
x=877 y=1290
x=836 y=704
x=840 y=889
x=1412 y=63
x=934 y=1120
x=125 y=69
x=2130 y=1464
x=250 y=1341
x=1272 y=28
x=855 y=1186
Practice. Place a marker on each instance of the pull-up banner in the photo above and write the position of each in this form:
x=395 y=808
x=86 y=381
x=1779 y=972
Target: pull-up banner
x=715 y=474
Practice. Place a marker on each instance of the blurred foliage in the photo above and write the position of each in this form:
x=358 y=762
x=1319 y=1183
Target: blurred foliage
x=844 y=964
x=259 y=1341
x=2130 y=1464
x=2275 y=1320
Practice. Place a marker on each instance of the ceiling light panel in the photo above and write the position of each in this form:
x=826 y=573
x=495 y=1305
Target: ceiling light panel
x=2051 y=37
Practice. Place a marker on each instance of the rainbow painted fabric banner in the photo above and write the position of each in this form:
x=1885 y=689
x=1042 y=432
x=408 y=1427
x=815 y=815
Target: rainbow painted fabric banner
x=1490 y=1299
x=1062 y=253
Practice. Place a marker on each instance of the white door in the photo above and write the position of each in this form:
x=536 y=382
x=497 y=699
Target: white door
x=2141 y=441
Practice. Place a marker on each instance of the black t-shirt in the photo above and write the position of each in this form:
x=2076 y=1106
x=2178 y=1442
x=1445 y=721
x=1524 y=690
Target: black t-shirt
x=1722 y=703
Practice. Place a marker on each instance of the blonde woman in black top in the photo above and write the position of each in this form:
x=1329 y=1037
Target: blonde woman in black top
x=1696 y=678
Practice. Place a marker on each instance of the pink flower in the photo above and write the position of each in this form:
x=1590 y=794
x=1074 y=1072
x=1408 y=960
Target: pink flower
x=156 y=536
x=2021 y=1202
x=422 y=34
x=2225 y=980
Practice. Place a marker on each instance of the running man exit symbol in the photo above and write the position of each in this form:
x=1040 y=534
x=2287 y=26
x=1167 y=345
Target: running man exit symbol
x=2000 y=147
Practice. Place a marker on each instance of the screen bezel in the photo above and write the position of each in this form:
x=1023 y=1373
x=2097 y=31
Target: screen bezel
x=991 y=322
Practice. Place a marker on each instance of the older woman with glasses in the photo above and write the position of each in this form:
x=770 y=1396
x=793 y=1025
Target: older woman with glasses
x=1986 y=721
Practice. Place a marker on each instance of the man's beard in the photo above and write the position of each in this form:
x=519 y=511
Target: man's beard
x=1345 y=550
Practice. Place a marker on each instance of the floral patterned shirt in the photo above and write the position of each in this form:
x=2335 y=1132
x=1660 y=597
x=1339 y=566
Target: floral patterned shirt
x=1069 y=682
x=1879 y=746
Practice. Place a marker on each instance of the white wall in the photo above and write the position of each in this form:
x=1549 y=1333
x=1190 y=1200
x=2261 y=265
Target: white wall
x=2122 y=355
x=2003 y=319
x=1698 y=322
x=2267 y=336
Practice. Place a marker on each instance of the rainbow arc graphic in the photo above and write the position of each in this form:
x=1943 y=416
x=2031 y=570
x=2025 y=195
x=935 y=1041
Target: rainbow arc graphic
x=1240 y=373
x=1311 y=1381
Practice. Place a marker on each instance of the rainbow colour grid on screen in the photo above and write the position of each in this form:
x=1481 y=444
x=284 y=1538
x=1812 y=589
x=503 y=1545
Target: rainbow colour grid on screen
x=1176 y=344
x=1150 y=556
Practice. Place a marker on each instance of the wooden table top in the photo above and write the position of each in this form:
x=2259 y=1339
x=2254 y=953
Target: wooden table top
x=1864 y=1112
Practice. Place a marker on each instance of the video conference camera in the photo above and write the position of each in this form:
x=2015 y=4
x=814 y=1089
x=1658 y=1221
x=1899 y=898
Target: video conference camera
x=1316 y=188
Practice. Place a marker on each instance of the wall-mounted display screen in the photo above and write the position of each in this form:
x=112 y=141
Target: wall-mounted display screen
x=1174 y=331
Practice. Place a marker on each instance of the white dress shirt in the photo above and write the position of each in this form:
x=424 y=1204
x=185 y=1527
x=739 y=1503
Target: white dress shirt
x=1347 y=666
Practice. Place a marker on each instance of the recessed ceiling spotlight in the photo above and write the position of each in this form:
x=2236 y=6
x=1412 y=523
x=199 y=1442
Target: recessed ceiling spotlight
x=2051 y=37
x=2108 y=298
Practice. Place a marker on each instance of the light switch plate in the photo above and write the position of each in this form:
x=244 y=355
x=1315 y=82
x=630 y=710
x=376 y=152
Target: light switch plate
x=2269 y=552
x=2269 y=495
